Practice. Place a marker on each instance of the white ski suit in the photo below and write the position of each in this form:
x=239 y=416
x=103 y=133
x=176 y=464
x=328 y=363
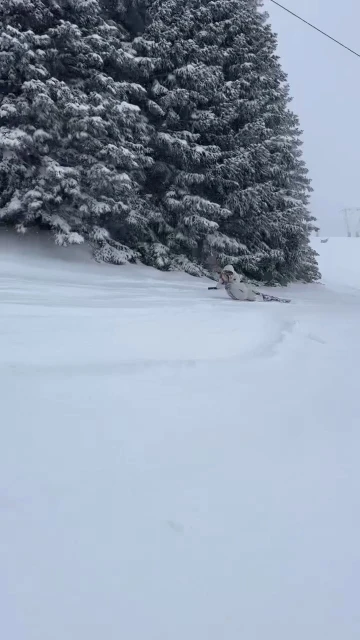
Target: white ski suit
x=235 y=287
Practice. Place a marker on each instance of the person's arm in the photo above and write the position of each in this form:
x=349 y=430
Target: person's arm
x=220 y=282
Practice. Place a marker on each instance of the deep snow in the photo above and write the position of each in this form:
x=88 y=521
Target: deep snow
x=175 y=465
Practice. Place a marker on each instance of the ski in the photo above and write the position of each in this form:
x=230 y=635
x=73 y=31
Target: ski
x=267 y=298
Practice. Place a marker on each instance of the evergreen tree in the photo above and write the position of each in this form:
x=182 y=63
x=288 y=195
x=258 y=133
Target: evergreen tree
x=228 y=174
x=183 y=87
x=270 y=203
x=156 y=129
x=74 y=141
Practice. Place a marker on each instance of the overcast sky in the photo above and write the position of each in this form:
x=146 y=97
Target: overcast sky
x=325 y=85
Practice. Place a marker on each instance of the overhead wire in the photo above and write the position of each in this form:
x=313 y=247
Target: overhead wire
x=341 y=44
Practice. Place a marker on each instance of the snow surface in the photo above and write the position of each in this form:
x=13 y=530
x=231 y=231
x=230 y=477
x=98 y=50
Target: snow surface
x=175 y=465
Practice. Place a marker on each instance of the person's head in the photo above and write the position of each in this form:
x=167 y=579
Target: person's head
x=228 y=273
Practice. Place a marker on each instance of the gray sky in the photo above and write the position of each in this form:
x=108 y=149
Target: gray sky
x=324 y=83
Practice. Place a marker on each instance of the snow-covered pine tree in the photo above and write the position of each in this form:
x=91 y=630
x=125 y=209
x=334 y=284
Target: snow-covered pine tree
x=270 y=204
x=228 y=173
x=72 y=135
x=184 y=84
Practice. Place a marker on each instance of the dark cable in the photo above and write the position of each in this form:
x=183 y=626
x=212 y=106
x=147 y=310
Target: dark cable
x=316 y=28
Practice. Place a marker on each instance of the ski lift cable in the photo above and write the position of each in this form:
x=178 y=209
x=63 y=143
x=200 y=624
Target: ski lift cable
x=341 y=44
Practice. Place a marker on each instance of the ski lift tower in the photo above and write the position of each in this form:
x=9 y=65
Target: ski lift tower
x=352 y=221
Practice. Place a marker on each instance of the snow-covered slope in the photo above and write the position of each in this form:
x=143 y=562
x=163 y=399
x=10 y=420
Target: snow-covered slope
x=175 y=465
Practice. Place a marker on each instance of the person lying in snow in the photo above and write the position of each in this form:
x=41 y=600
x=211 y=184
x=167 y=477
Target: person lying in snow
x=237 y=289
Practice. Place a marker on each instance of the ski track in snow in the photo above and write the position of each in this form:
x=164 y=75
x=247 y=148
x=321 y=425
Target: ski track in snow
x=174 y=464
